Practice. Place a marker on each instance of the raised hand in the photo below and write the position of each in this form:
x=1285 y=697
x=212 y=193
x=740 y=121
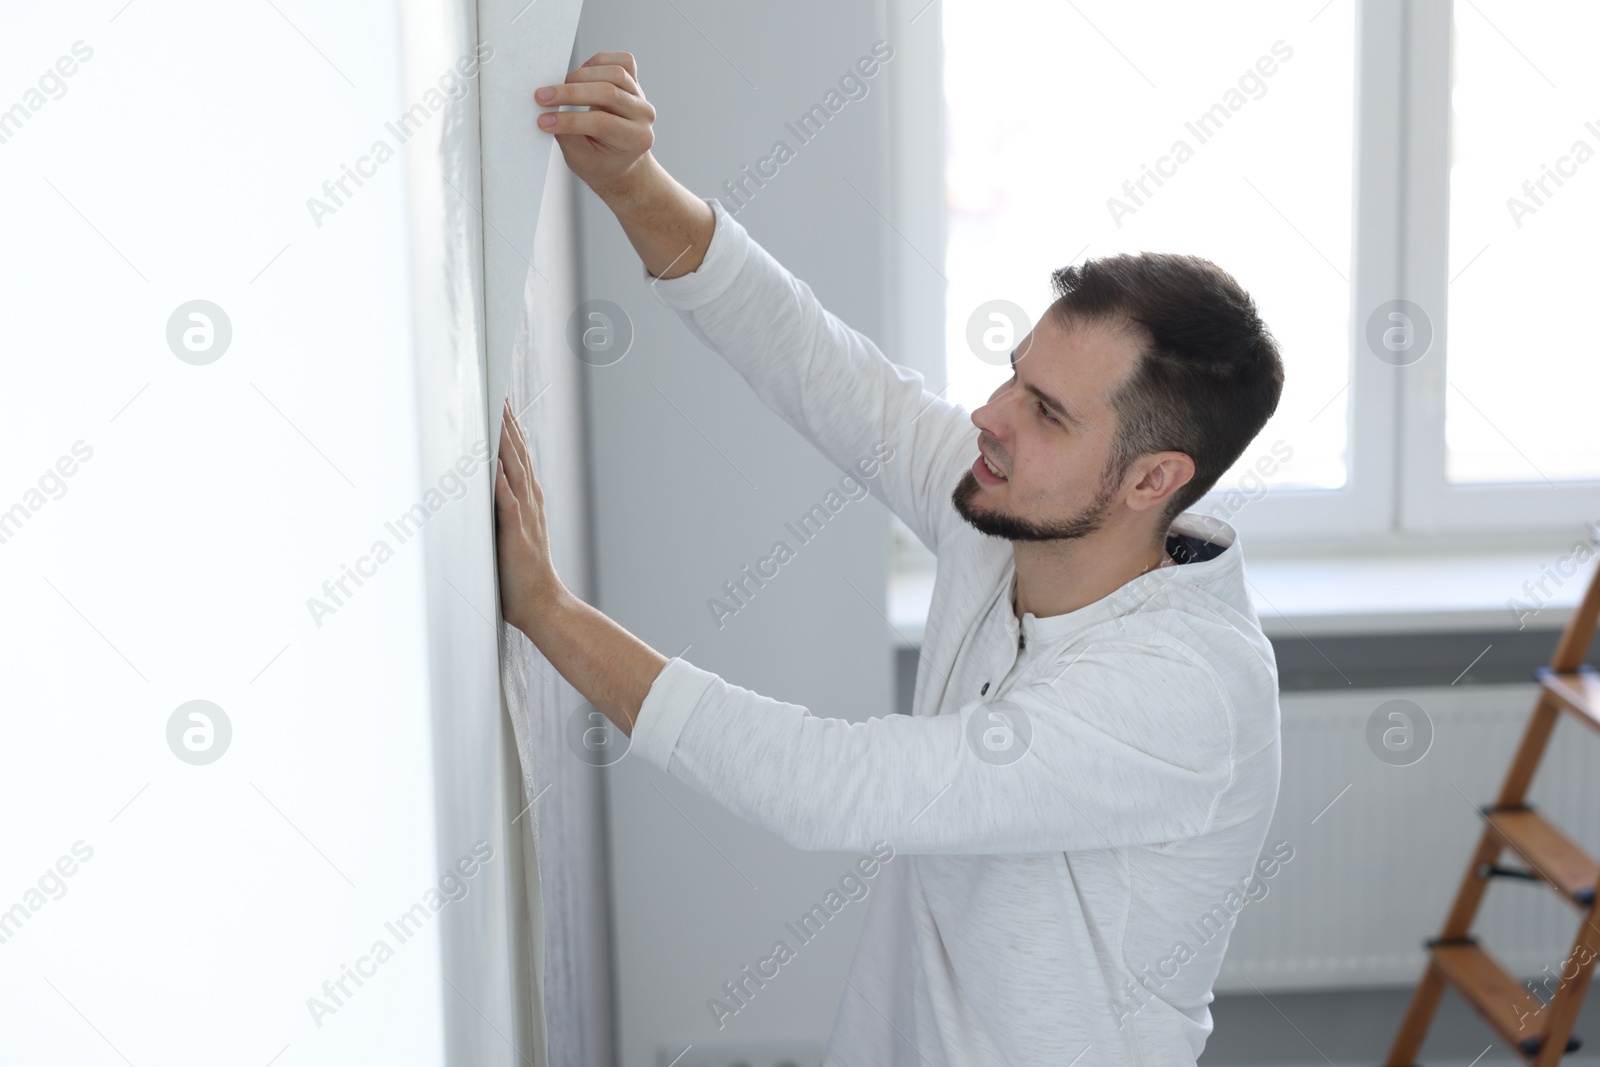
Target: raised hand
x=605 y=145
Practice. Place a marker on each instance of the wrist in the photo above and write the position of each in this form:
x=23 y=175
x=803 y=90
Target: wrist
x=635 y=191
x=543 y=610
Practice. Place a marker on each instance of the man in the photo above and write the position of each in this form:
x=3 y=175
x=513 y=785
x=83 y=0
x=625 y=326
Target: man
x=1077 y=803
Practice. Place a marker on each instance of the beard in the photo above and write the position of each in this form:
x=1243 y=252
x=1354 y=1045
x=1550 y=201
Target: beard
x=997 y=523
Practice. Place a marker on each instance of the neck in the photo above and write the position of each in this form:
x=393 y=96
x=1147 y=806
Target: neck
x=1055 y=577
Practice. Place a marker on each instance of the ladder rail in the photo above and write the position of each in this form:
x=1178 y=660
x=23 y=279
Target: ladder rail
x=1562 y=1011
x=1578 y=634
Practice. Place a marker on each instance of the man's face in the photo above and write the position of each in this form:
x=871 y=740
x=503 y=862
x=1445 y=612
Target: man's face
x=1054 y=460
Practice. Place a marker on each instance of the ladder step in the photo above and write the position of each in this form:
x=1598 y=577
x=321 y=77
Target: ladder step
x=1550 y=853
x=1578 y=691
x=1499 y=999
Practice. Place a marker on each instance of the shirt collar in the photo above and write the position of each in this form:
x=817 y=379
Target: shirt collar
x=1131 y=595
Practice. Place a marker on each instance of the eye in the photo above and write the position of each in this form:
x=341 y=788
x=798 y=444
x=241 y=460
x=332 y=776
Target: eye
x=1038 y=404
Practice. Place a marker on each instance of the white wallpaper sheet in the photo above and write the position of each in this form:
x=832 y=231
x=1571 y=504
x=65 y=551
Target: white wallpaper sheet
x=530 y=284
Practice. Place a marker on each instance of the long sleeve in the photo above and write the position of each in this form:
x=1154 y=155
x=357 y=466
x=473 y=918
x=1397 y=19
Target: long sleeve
x=828 y=381
x=1131 y=744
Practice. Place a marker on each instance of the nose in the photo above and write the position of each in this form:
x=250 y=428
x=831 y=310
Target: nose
x=987 y=418
x=987 y=439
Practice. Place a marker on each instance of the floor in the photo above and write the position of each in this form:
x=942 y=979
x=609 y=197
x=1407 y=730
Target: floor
x=1355 y=1028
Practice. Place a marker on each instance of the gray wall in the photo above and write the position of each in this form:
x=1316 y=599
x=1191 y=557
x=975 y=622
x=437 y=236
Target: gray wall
x=692 y=479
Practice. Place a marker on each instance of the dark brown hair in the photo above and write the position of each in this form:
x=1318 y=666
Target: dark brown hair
x=1208 y=375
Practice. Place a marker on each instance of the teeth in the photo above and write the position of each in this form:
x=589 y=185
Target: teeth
x=991 y=466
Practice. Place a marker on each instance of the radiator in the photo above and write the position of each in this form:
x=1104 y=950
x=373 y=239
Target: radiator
x=1380 y=849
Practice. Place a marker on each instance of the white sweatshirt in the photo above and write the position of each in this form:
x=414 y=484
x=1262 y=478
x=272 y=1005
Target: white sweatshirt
x=1076 y=804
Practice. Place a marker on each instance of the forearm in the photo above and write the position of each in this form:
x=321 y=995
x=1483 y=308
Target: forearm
x=669 y=226
x=611 y=668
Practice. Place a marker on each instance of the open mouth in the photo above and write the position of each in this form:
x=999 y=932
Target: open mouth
x=986 y=473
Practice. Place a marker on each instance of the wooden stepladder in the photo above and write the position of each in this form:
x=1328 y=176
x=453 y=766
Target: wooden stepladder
x=1541 y=1033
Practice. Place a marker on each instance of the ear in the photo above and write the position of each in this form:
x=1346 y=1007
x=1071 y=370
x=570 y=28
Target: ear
x=1158 y=475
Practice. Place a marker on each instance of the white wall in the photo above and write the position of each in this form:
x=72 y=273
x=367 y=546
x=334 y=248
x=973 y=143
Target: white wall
x=178 y=561
x=154 y=906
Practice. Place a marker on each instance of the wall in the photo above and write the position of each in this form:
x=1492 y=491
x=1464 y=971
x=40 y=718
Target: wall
x=484 y=988
x=225 y=486
x=693 y=479
x=285 y=515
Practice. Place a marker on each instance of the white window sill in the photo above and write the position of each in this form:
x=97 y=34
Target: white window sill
x=1312 y=597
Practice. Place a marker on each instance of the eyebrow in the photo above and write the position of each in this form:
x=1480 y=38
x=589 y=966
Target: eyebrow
x=1049 y=401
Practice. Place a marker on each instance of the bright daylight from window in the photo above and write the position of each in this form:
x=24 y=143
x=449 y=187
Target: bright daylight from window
x=1523 y=371
x=1228 y=136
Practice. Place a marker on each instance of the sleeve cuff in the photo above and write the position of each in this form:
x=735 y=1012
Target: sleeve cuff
x=672 y=698
x=723 y=258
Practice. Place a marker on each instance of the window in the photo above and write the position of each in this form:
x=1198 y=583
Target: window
x=1358 y=166
x=1522 y=375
